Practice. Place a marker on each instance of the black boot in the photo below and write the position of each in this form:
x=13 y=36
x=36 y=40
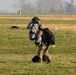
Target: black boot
x=49 y=61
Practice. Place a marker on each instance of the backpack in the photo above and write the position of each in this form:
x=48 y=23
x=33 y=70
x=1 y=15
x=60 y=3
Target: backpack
x=48 y=36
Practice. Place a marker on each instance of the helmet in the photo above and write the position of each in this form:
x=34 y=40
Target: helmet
x=36 y=19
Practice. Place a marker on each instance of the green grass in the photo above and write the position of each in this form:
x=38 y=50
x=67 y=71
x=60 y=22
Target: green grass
x=14 y=40
x=17 y=41
x=20 y=64
x=17 y=51
x=26 y=21
x=65 y=41
x=59 y=21
x=13 y=21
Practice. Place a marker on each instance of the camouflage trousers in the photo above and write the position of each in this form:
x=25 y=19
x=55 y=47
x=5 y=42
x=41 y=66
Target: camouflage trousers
x=43 y=50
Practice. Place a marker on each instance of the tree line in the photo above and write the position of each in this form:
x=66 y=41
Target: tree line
x=46 y=6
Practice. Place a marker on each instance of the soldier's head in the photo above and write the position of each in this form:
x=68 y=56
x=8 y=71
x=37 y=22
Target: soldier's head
x=35 y=19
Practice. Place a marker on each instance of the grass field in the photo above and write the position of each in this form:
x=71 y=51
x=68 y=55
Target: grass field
x=17 y=51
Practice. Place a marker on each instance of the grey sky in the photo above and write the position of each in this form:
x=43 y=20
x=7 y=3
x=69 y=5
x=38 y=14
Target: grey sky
x=7 y=5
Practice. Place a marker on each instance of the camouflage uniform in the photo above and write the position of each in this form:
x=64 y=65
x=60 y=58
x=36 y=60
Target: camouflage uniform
x=35 y=27
x=43 y=48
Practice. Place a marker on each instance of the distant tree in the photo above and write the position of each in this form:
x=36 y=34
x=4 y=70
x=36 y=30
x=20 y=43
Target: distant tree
x=75 y=8
x=28 y=8
x=25 y=6
x=40 y=6
x=19 y=5
x=50 y=6
x=69 y=7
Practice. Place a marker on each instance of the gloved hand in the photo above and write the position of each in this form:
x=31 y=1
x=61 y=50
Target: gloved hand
x=53 y=46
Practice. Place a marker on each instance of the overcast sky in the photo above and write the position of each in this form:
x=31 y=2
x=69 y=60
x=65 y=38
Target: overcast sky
x=7 y=5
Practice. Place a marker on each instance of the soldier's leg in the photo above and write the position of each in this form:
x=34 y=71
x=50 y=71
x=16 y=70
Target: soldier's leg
x=47 y=54
x=40 y=53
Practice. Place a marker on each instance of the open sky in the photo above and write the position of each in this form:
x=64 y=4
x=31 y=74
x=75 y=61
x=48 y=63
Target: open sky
x=8 y=5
